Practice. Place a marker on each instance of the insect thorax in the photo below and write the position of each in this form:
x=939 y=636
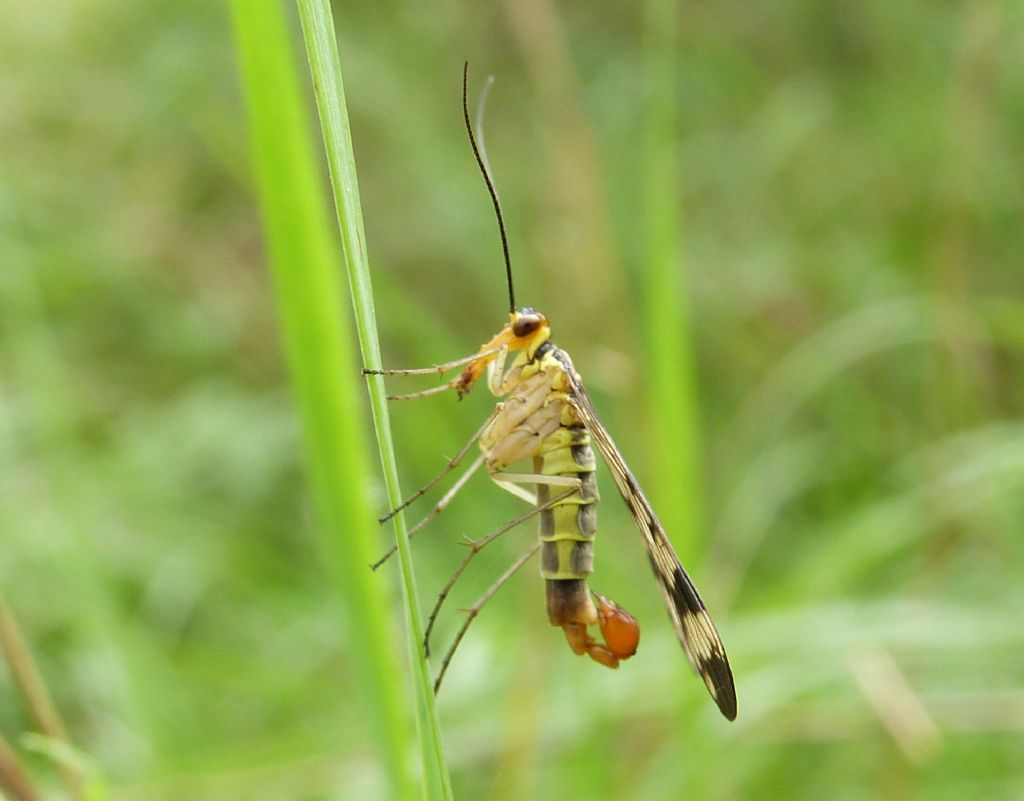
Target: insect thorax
x=533 y=409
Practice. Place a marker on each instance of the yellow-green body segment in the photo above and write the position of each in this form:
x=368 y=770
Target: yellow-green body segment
x=567 y=529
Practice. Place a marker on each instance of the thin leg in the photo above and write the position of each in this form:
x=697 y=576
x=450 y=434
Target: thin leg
x=424 y=392
x=438 y=508
x=510 y=481
x=475 y=546
x=519 y=492
x=535 y=478
x=452 y=464
x=437 y=368
x=446 y=499
x=474 y=610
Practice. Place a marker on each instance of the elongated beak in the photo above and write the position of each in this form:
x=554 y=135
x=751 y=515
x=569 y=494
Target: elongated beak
x=476 y=368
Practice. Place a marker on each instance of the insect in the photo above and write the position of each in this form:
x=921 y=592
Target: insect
x=546 y=418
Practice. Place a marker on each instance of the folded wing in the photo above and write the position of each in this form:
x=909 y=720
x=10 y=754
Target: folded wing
x=693 y=624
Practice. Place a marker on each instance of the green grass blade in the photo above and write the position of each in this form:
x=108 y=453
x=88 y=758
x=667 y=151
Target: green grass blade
x=675 y=447
x=304 y=262
x=325 y=67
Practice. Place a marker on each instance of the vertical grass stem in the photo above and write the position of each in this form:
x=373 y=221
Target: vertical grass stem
x=325 y=68
x=304 y=262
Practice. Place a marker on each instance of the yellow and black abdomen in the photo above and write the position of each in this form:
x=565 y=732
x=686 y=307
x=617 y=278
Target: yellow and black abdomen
x=568 y=528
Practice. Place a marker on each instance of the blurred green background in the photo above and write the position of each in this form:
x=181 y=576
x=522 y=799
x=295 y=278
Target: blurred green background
x=852 y=180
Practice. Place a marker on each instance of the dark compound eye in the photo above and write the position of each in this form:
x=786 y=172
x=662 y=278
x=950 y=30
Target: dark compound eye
x=526 y=325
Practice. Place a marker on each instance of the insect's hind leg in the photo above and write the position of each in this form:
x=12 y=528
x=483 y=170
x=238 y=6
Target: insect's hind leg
x=474 y=610
x=510 y=483
x=475 y=546
x=569 y=600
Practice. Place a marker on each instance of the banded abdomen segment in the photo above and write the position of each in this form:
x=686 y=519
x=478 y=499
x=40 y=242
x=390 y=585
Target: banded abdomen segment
x=567 y=531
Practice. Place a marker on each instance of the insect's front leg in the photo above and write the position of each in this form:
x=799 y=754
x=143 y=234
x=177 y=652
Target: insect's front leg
x=437 y=368
x=492 y=361
x=481 y=357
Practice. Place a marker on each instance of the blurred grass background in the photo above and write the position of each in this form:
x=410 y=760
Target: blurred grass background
x=852 y=198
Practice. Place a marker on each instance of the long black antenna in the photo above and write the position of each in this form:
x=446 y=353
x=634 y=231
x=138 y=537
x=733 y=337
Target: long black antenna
x=490 y=187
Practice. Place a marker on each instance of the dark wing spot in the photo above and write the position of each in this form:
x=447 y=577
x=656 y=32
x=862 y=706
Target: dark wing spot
x=699 y=637
x=696 y=631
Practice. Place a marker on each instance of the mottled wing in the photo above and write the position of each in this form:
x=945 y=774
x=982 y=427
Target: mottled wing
x=696 y=631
